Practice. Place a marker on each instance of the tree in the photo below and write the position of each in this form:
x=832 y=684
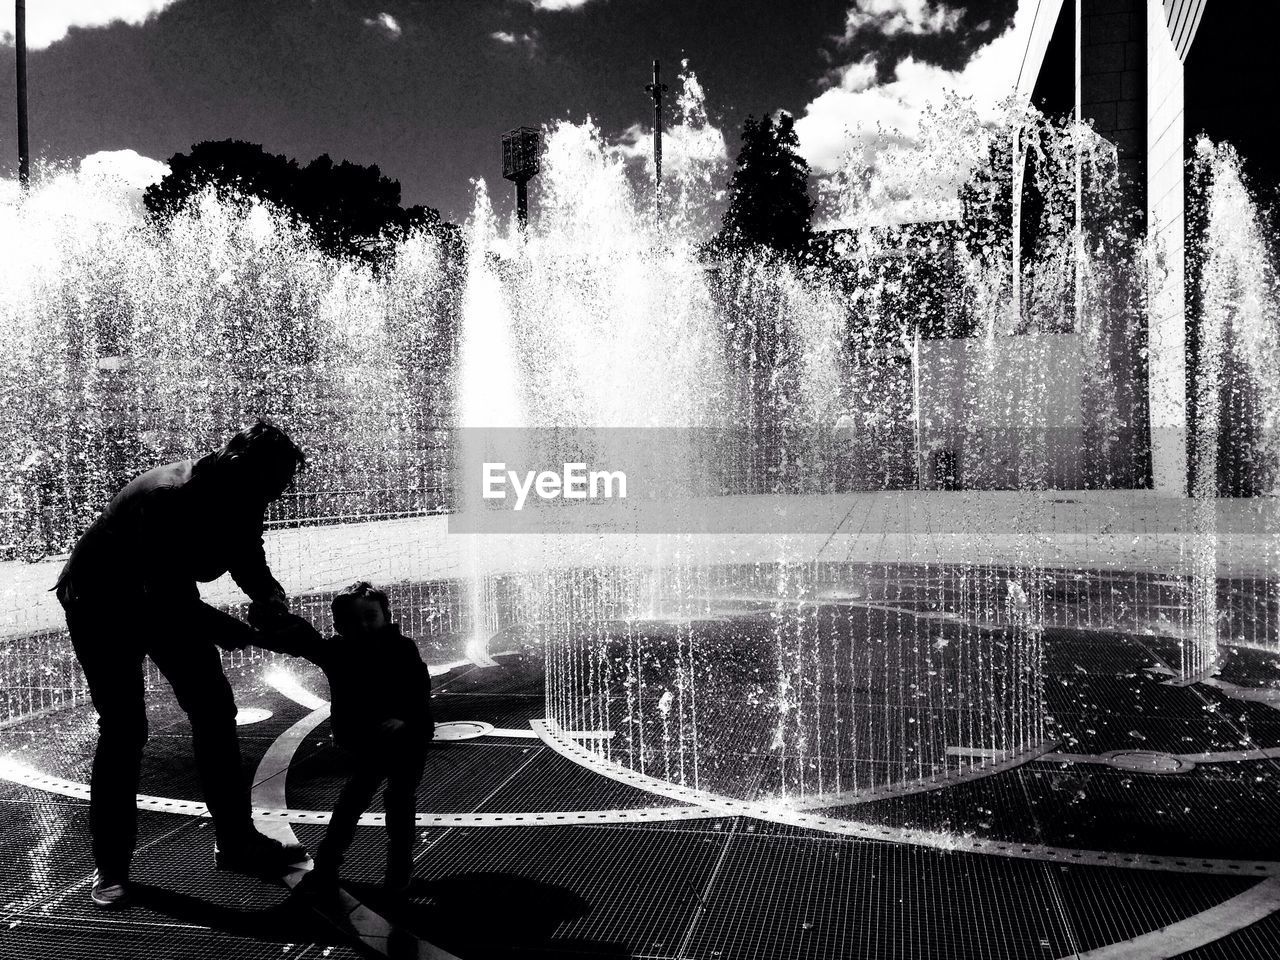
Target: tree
x=769 y=201
x=986 y=205
x=352 y=210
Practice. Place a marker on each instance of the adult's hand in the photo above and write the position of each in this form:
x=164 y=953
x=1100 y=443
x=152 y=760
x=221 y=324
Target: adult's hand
x=270 y=612
x=228 y=632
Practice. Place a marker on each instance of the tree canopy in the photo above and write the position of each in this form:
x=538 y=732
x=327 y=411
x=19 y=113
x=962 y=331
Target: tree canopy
x=352 y=210
x=986 y=205
x=769 y=201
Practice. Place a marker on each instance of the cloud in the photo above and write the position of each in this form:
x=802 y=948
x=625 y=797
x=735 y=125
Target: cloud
x=385 y=24
x=693 y=147
x=857 y=75
x=859 y=114
x=125 y=167
x=527 y=40
x=915 y=134
x=49 y=20
x=557 y=4
x=683 y=147
x=893 y=17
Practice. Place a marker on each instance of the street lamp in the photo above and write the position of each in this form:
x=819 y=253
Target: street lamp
x=521 y=161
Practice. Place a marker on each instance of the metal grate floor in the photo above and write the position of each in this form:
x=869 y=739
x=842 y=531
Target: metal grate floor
x=700 y=889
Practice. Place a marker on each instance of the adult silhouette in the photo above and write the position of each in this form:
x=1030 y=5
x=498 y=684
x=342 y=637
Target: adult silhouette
x=130 y=590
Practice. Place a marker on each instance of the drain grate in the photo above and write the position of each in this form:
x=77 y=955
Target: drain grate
x=462 y=729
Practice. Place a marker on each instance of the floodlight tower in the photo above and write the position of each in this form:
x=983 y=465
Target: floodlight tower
x=521 y=161
x=656 y=90
x=20 y=43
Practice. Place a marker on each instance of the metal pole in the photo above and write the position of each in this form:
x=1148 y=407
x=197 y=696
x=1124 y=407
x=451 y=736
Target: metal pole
x=522 y=204
x=657 y=137
x=1015 y=226
x=919 y=412
x=1079 y=171
x=20 y=41
x=657 y=89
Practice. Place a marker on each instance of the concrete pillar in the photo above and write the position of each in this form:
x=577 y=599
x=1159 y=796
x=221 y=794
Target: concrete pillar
x=1166 y=303
x=1113 y=86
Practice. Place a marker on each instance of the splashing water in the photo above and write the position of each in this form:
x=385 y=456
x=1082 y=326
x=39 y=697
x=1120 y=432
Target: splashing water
x=778 y=673
x=128 y=344
x=1236 y=396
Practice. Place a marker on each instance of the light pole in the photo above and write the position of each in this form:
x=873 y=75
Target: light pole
x=521 y=161
x=918 y=409
x=656 y=89
x=20 y=41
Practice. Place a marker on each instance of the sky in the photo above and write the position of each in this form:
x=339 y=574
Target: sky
x=425 y=88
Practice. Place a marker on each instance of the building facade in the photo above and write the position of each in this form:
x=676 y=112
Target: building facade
x=1150 y=76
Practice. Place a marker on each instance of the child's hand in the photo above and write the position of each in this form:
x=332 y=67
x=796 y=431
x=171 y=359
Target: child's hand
x=290 y=634
x=268 y=613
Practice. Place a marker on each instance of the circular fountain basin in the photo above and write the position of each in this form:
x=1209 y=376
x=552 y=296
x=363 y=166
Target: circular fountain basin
x=820 y=687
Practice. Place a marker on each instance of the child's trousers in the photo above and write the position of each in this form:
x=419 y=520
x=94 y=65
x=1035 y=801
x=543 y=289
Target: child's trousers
x=398 y=761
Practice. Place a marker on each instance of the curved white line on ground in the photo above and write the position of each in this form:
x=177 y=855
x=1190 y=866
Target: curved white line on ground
x=707 y=806
x=1259 y=901
x=270 y=779
x=15 y=772
x=996 y=763
x=937 y=840
x=284 y=682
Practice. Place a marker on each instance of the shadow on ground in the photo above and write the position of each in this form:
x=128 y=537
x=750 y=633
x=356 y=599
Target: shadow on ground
x=290 y=922
x=493 y=916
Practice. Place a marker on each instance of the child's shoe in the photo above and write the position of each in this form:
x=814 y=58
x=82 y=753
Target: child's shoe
x=320 y=884
x=258 y=854
x=399 y=872
x=109 y=893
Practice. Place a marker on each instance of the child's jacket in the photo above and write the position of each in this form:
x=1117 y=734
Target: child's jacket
x=382 y=678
